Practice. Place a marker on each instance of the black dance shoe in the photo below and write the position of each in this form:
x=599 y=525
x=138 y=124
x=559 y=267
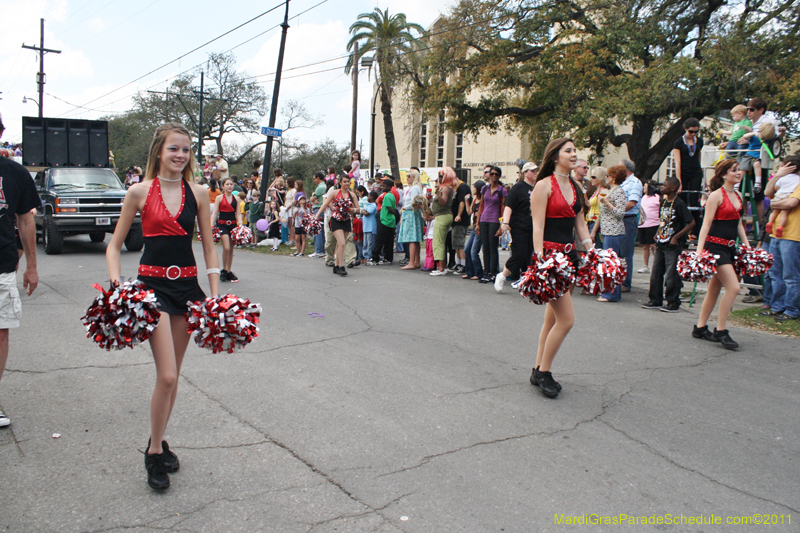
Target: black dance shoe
x=157 y=476
x=536 y=377
x=547 y=384
x=725 y=340
x=703 y=333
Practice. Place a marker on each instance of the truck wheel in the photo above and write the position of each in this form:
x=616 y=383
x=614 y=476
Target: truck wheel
x=97 y=236
x=134 y=242
x=53 y=239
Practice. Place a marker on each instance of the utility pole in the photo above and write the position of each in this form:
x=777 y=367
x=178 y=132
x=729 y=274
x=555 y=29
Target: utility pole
x=355 y=99
x=40 y=76
x=200 y=124
x=273 y=114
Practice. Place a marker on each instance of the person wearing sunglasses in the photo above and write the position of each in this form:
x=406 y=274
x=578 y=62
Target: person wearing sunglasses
x=686 y=153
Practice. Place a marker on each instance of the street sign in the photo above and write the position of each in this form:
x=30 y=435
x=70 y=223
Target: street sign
x=271 y=132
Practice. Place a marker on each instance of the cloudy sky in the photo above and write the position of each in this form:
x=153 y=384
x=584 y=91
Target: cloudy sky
x=107 y=44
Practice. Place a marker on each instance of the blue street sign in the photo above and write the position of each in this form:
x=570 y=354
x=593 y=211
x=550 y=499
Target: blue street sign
x=271 y=132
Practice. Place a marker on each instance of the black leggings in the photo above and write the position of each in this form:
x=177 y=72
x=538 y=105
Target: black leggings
x=490 y=243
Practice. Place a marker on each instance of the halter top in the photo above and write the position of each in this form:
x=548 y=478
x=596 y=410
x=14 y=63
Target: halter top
x=726 y=211
x=168 y=238
x=726 y=220
x=560 y=216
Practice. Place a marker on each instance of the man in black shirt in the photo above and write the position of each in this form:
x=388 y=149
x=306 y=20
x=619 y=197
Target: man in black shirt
x=517 y=219
x=17 y=197
x=675 y=223
x=460 y=224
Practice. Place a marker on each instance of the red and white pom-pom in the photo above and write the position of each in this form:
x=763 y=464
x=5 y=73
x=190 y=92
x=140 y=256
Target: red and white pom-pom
x=312 y=224
x=697 y=266
x=752 y=262
x=548 y=277
x=601 y=271
x=241 y=235
x=224 y=323
x=123 y=317
x=340 y=209
x=215 y=232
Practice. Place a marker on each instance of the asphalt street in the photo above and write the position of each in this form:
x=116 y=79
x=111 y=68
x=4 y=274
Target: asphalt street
x=404 y=407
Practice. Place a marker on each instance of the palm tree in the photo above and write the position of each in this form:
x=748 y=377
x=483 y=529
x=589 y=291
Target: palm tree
x=389 y=38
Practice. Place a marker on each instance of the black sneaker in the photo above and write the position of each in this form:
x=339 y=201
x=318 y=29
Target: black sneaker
x=170 y=460
x=168 y=457
x=335 y=270
x=547 y=384
x=354 y=264
x=703 y=333
x=232 y=277
x=652 y=304
x=157 y=476
x=725 y=340
x=783 y=317
x=342 y=271
x=671 y=307
x=770 y=313
x=223 y=275
x=536 y=377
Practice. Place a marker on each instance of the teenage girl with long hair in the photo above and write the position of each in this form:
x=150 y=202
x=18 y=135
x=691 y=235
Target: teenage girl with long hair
x=227 y=216
x=557 y=208
x=170 y=204
x=722 y=224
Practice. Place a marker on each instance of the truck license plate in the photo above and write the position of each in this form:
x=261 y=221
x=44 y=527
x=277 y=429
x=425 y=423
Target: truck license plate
x=102 y=221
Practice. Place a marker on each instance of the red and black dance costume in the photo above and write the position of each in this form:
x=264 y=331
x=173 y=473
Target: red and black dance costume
x=340 y=211
x=167 y=265
x=721 y=239
x=559 y=222
x=226 y=219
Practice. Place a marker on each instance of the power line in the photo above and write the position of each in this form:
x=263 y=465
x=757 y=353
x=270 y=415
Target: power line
x=199 y=64
x=186 y=54
x=345 y=56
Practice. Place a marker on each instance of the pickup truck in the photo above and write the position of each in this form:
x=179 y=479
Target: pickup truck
x=80 y=201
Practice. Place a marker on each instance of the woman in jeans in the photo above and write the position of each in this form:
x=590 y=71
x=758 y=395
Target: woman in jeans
x=493 y=196
x=612 y=209
x=473 y=269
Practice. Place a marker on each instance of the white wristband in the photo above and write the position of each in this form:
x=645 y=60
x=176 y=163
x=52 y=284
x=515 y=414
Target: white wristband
x=584 y=241
x=210 y=271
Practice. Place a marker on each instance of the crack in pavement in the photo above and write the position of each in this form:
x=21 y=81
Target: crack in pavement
x=365 y=513
x=491 y=387
x=244 y=445
x=603 y=408
x=66 y=368
x=311 y=466
x=697 y=472
x=188 y=514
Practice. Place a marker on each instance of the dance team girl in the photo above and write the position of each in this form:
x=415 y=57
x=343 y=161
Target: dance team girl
x=170 y=205
x=557 y=208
